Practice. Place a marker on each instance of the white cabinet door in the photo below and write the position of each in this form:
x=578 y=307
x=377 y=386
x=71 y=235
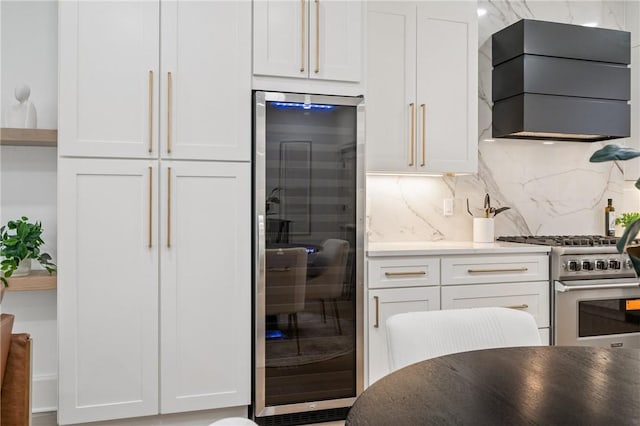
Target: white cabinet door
x=335 y=40
x=317 y=39
x=422 y=87
x=447 y=95
x=206 y=102
x=108 y=85
x=382 y=305
x=391 y=86
x=280 y=38
x=107 y=289
x=206 y=285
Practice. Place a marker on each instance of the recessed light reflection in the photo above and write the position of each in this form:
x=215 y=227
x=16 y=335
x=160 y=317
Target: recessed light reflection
x=548 y=143
x=488 y=140
x=482 y=12
x=590 y=24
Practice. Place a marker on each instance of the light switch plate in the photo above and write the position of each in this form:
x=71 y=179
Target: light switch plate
x=447 y=208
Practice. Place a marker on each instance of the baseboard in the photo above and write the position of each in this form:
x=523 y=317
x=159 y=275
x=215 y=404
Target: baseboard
x=44 y=393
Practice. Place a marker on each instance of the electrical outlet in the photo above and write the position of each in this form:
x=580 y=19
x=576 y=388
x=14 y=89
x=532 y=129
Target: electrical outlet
x=447 y=208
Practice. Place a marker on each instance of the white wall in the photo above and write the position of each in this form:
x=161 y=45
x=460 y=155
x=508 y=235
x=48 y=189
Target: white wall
x=30 y=55
x=28 y=184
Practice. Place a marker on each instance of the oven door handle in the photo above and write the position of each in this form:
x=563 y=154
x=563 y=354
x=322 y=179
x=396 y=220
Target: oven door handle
x=565 y=288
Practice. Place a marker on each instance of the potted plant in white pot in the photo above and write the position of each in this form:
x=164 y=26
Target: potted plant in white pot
x=627 y=242
x=20 y=242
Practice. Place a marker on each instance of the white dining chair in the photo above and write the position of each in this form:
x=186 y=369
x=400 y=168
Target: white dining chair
x=416 y=336
x=234 y=421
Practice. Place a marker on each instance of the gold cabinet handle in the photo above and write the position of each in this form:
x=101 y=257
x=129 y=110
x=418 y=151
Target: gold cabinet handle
x=317 y=70
x=523 y=306
x=412 y=111
x=423 y=107
x=376 y=300
x=404 y=274
x=302 y=31
x=169 y=109
x=489 y=271
x=150 y=110
x=169 y=207
x=150 y=206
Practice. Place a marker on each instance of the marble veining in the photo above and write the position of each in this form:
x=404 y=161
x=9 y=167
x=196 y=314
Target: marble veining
x=551 y=188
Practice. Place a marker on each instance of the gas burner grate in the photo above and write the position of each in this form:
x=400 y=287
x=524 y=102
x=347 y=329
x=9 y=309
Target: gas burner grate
x=562 y=240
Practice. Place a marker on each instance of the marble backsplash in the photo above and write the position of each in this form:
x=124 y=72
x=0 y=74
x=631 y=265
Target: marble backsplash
x=551 y=188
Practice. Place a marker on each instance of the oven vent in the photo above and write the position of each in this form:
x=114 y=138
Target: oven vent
x=560 y=82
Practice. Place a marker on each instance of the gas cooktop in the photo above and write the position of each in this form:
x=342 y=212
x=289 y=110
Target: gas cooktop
x=562 y=240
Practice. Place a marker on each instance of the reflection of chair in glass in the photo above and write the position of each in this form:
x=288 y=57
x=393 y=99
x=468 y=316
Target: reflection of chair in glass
x=331 y=263
x=286 y=274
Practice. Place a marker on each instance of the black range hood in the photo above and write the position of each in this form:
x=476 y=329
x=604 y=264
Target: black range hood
x=556 y=81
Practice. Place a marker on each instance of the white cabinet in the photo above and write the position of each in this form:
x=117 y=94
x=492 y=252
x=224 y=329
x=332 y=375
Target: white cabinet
x=155 y=250
x=118 y=100
x=384 y=303
x=118 y=219
x=205 y=275
x=411 y=283
x=108 y=82
x=315 y=39
x=422 y=87
x=107 y=289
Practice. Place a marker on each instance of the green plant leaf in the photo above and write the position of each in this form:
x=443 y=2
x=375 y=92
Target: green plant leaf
x=613 y=152
x=628 y=236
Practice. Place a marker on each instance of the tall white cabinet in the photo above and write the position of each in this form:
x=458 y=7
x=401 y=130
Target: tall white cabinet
x=422 y=87
x=154 y=296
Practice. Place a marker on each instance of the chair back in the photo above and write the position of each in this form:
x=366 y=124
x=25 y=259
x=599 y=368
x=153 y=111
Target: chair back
x=416 y=336
x=286 y=274
x=328 y=284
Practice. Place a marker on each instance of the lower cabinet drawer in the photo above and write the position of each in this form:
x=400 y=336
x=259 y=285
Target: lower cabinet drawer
x=403 y=272
x=532 y=297
x=457 y=270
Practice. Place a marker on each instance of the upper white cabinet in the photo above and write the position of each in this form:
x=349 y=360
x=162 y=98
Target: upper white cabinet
x=316 y=39
x=422 y=87
x=119 y=99
x=108 y=78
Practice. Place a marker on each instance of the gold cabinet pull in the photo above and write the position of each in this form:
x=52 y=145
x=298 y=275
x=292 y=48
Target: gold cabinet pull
x=150 y=110
x=490 y=271
x=169 y=110
x=302 y=31
x=404 y=274
x=376 y=300
x=150 y=206
x=523 y=306
x=411 y=138
x=423 y=107
x=169 y=207
x=317 y=70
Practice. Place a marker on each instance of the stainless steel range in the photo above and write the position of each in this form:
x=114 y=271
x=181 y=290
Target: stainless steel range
x=596 y=301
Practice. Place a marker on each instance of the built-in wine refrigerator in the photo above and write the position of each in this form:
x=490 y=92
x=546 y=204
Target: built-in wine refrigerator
x=308 y=256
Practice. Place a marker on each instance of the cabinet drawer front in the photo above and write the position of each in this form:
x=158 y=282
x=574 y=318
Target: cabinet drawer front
x=492 y=269
x=532 y=297
x=404 y=272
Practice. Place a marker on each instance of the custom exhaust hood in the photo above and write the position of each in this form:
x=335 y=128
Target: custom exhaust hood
x=560 y=82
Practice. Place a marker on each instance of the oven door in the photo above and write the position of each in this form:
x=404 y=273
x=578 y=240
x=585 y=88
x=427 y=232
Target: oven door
x=598 y=313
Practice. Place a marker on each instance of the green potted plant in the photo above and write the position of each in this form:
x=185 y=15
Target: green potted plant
x=20 y=241
x=626 y=219
x=627 y=242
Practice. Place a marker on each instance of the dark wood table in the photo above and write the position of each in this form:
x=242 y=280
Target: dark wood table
x=545 y=385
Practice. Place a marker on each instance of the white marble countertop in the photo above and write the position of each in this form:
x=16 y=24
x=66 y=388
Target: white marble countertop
x=437 y=248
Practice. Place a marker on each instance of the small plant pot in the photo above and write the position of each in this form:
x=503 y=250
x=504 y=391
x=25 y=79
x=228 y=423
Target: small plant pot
x=483 y=229
x=24 y=268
